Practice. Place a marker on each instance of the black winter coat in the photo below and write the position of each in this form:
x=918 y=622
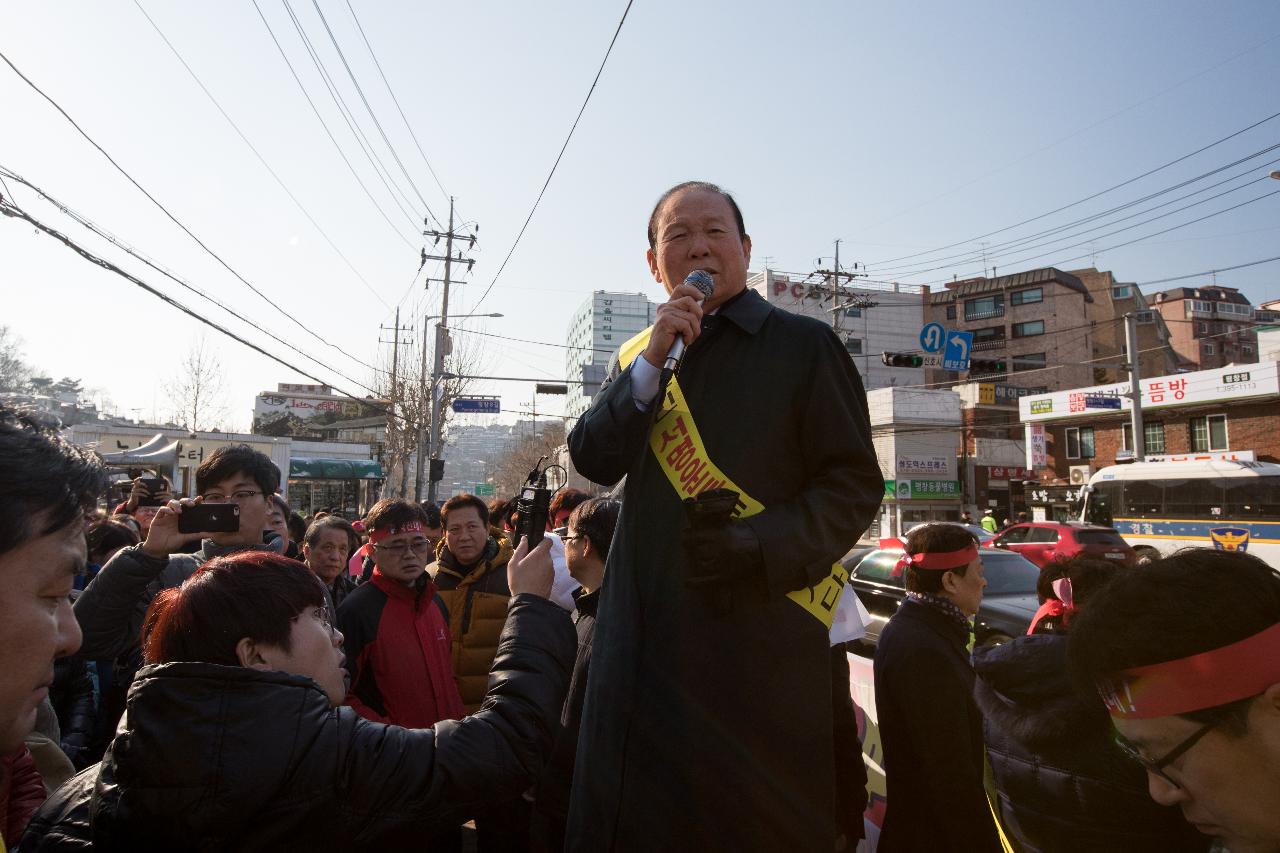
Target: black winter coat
x=1063 y=785
x=219 y=758
x=931 y=733
x=706 y=728
x=73 y=702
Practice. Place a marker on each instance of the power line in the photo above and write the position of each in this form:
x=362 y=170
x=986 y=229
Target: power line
x=1209 y=272
x=559 y=156
x=395 y=100
x=1003 y=247
x=1145 y=236
x=380 y=168
x=526 y=341
x=1086 y=198
x=166 y=212
x=369 y=109
x=261 y=159
x=327 y=131
x=121 y=244
x=9 y=209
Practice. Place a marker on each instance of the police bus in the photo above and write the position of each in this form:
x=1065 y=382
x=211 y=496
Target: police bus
x=1159 y=507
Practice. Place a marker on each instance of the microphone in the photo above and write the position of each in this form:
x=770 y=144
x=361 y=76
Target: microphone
x=706 y=285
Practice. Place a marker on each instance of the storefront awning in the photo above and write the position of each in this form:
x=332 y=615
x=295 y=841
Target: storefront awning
x=334 y=469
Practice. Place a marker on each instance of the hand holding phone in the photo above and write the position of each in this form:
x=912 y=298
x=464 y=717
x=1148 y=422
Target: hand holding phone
x=180 y=521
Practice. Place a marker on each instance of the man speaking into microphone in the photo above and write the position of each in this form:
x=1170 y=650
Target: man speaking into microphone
x=750 y=471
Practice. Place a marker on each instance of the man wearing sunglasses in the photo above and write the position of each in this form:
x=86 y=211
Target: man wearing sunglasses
x=1186 y=655
x=395 y=629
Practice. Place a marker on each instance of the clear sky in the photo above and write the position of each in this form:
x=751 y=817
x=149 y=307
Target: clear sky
x=896 y=127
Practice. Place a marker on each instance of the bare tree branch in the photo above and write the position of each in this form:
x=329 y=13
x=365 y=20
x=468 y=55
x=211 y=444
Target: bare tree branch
x=197 y=394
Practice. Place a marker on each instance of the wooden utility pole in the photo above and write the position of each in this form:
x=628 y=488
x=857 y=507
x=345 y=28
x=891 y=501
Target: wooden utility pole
x=396 y=343
x=441 y=348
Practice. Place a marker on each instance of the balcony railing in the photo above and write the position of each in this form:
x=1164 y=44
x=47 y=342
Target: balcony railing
x=990 y=343
x=984 y=315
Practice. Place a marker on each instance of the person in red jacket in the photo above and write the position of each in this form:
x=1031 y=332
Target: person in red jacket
x=397 y=634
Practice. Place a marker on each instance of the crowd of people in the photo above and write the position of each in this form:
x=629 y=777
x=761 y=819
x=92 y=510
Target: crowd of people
x=660 y=677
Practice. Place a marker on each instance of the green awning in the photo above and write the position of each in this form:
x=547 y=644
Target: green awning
x=334 y=469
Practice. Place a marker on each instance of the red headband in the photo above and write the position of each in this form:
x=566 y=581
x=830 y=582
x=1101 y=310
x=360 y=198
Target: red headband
x=938 y=561
x=380 y=533
x=1206 y=680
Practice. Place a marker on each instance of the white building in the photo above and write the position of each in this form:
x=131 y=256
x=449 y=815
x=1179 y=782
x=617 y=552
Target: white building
x=915 y=433
x=601 y=324
x=891 y=323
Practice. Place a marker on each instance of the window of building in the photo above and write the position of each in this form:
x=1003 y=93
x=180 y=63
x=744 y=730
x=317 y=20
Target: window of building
x=1209 y=433
x=1204 y=328
x=1028 y=329
x=1246 y=349
x=1153 y=437
x=1126 y=437
x=1027 y=296
x=1030 y=361
x=853 y=312
x=990 y=333
x=1079 y=442
x=1208 y=349
x=1122 y=291
x=951 y=312
x=854 y=346
x=984 y=306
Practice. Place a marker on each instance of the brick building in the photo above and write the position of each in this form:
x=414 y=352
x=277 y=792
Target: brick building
x=1208 y=326
x=1029 y=318
x=1111 y=301
x=1225 y=413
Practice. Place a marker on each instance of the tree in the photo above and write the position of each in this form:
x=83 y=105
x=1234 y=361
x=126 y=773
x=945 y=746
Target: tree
x=197 y=394
x=464 y=357
x=14 y=370
x=512 y=470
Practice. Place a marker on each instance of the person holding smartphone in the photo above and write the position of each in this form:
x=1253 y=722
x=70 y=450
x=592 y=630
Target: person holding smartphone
x=235 y=485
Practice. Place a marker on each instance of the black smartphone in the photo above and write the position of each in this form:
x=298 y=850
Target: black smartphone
x=209 y=518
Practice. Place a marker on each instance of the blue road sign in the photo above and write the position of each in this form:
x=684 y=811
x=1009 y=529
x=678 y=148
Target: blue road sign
x=932 y=337
x=477 y=405
x=956 y=356
x=1101 y=401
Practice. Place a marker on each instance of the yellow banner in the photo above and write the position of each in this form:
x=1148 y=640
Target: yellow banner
x=678 y=447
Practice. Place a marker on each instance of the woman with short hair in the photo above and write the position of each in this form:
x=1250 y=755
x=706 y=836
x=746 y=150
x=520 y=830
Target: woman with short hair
x=235 y=739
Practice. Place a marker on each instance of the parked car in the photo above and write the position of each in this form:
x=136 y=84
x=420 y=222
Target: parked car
x=1041 y=542
x=1008 y=603
x=984 y=535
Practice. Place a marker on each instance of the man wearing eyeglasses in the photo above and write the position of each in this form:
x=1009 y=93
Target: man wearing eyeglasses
x=1186 y=655
x=111 y=608
x=396 y=635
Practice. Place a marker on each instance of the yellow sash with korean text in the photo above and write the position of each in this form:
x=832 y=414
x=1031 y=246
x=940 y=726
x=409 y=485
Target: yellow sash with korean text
x=683 y=457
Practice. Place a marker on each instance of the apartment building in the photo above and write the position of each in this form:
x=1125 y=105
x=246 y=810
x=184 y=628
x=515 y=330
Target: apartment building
x=1038 y=321
x=597 y=329
x=1209 y=327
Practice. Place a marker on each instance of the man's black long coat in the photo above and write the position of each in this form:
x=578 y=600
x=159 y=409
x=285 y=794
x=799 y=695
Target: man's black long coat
x=705 y=729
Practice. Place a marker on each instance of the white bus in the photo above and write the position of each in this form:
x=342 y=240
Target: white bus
x=1159 y=507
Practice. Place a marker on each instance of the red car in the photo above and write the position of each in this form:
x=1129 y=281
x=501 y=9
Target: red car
x=1042 y=542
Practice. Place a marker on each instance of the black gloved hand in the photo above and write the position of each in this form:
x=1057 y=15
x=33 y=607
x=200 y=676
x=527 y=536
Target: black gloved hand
x=722 y=555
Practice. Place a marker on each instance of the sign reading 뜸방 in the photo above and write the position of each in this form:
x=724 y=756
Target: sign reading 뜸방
x=1201 y=386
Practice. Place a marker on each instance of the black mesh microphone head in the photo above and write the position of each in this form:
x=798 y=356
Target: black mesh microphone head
x=702 y=280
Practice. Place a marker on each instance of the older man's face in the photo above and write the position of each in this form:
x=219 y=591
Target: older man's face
x=697 y=231
x=36 y=623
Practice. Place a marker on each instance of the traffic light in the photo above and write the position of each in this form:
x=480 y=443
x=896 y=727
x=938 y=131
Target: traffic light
x=901 y=359
x=988 y=365
x=436 y=471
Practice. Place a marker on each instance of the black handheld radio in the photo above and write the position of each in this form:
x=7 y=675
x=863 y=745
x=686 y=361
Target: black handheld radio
x=534 y=504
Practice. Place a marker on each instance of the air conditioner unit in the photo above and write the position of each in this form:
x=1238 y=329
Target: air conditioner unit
x=1080 y=474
